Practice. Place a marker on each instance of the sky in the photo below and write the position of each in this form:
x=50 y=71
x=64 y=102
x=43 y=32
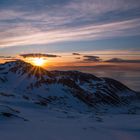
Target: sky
x=69 y=25
x=79 y=33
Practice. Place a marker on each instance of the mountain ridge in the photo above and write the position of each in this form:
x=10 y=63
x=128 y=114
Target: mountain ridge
x=85 y=87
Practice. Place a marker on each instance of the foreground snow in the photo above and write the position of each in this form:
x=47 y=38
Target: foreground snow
x=40 y=123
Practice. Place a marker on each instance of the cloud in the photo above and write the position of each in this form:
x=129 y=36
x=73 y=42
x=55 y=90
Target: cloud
x=11 y=59
x=91 y=58
x=6 y=57
x=119 y=60
x=44 y=22
x=76 y=54
x=64 y=9
x=38 y=55
x=21 y=37
x=77 y=58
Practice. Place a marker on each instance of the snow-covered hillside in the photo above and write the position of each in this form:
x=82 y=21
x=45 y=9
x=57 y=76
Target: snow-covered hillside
x=54 y=86
x=62 y=105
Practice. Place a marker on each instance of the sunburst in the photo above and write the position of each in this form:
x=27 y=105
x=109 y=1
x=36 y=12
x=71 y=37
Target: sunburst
x=38 y=61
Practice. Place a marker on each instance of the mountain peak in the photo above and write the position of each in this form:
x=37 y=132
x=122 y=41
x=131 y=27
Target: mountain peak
x=63 y=85
x=21 y=67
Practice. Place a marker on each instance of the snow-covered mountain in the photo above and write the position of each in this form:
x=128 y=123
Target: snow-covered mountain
x=64 y=105
x=65 y=88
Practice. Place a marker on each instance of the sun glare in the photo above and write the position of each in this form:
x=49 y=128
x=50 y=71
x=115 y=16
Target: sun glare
x=38 y=61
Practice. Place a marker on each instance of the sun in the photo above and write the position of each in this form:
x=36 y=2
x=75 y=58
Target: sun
x=38 y=61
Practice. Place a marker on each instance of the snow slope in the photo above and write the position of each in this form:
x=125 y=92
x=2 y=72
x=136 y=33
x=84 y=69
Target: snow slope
x=64 y=105
x=56 y=124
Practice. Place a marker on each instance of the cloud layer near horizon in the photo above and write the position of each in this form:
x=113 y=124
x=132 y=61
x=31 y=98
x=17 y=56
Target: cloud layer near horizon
x=119 y=60
x=43 y=22
x=38 y=55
